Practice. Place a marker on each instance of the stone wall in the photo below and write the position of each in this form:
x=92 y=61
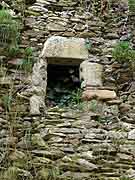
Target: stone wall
x=45 y=19
x=96 y=143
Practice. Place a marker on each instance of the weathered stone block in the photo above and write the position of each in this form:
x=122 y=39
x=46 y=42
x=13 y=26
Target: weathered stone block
x=131 y=135
x=98 y=94
x=91 y=74
x=63 y=50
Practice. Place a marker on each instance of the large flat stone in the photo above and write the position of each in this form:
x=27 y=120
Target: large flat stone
x=63 y=50
x=98 y=94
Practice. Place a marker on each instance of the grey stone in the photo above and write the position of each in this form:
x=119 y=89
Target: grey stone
x=65 y=48
x=66 y=124
x=38 y=9
x=41 y=160
x=38 y=141
x=112 y=36
x=91 y=74
x=39 y=83
x=68 y=150
x=117 y=135
x=131 y=135
x=17 y=155
x=56 y=139
x=124 y=157
x=35 y=103
x=88 y=155
x=52 y=154
x=127 y=148
x=86 y=165
x=67 y=130
x=130 y=174
x=74 y=175
x=55 y=27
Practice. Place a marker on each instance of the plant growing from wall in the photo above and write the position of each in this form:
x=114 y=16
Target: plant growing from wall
x=9 y=30
x=88 y=44
x=76 y=96
x=14 y=51
x=7 y=101
x=131 y=6
x=28 y=62
x=122 y=52
x=70 y=99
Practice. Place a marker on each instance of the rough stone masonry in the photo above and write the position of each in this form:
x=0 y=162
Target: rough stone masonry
x=97 y=143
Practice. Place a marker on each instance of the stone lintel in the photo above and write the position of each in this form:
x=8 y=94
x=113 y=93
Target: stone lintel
x=63 y=50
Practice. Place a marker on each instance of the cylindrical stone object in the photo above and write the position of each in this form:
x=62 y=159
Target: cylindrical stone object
x=91 y=74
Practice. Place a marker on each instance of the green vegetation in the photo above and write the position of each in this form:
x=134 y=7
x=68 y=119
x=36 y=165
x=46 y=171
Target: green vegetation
x=131 y=5
x=125 y=178
x=9 y=30
x=49 y=173
x=28 y=62
x=75 y=97
x=11 y=173
x=88 y=44
x=70 y=98
x=123 y=52
x=7 y=101
x=14 y=51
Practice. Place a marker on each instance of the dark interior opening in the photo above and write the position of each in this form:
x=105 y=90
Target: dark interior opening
x=61 y=83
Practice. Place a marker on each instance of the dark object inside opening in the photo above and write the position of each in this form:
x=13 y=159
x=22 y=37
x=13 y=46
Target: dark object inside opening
x=62 y=82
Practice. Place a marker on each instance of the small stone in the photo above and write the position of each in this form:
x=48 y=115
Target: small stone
x=38 y=9
x=41 y=160
x=66 y=124
x=55 y=140
x=115 y=101
x=52 y=154
x=124 y=157
x=85 y=165
x=55 y=27
x=38 y=141
x=124 y=107
x=112 y=36
x=130 y=173
x=128 y=120
x=116 y=135
x=68 y=130
x=70 y=115
x=74 y=175
x=87 y=155
x=16 y=155
x=68 y=150
x=66 y=159
x=131 y=135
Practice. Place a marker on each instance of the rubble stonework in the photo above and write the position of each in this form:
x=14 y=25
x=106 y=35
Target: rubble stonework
x=55 y=48
x=97 y=143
